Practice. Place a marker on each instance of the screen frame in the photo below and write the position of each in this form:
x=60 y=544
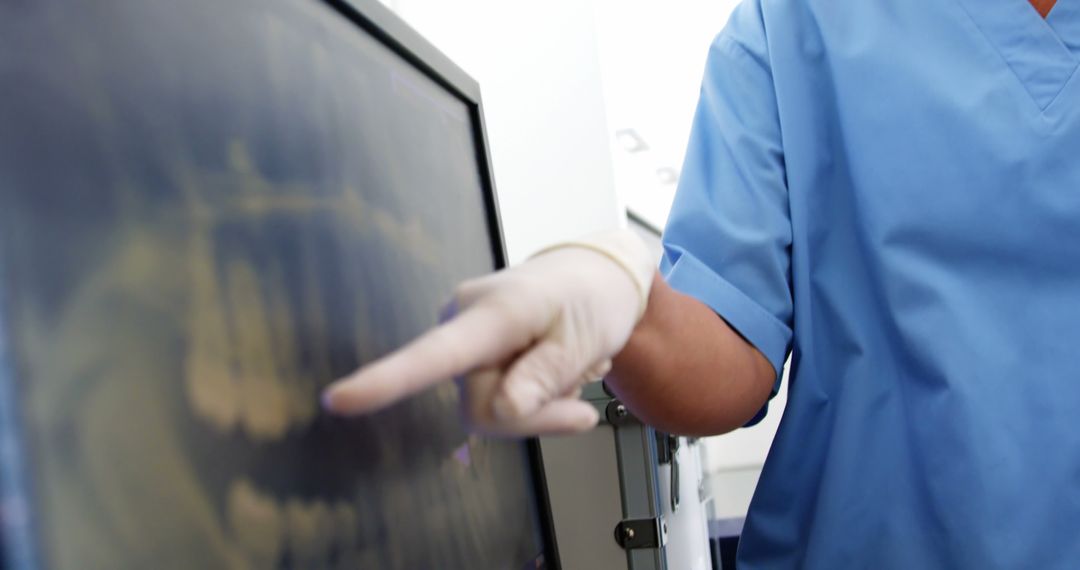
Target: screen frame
x=393 y=32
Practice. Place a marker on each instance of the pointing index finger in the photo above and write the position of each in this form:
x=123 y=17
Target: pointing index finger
x=481 y=334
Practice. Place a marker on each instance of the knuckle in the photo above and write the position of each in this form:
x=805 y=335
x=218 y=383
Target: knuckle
x=548 y=372
x=474 y=414
x=477 y=394
x=468 y=291
x=512 y=310
x=463 y=292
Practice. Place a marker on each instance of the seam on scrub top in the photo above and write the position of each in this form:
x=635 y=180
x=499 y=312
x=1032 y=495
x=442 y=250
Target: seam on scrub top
x=736 y=49
x=1005 y=60
x=1064 y=84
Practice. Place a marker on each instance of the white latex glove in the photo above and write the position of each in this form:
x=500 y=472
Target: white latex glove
x=526 y=339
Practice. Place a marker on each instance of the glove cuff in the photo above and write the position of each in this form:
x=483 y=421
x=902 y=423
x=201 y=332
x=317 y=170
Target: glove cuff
x=624 y=248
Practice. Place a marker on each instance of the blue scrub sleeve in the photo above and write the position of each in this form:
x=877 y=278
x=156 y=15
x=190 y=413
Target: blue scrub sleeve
x=728 y=237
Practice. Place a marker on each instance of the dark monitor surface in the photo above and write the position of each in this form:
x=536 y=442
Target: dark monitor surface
x=208 y=210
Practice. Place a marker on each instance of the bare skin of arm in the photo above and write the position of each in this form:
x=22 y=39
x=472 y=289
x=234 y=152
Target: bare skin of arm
x=686 y=371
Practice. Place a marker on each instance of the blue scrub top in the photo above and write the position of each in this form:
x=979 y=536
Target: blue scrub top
x=890 y=190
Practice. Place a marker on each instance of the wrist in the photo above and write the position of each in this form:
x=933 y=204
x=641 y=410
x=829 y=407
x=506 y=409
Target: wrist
x=623 y=249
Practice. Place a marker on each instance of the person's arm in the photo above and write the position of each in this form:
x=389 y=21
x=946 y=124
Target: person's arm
x=728 y=251
x=526 y=339
x=685 y=371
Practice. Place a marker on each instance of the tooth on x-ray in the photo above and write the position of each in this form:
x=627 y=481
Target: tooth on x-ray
x=309 y=532
x=257 y=523
x=264 y=402
x=208 y=375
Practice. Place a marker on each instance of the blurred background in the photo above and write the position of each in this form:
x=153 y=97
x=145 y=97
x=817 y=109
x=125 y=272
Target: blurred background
x=588 y=106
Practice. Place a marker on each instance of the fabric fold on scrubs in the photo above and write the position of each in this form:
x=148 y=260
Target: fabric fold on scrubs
x=1027 y=43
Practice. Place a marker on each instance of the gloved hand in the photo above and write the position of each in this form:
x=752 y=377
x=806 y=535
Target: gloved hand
x=526 y=339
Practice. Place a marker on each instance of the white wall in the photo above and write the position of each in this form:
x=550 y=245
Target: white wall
x=652 y=57
x=539 y=74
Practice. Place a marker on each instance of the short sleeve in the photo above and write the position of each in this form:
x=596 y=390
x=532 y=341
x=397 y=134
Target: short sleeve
x=728 y=237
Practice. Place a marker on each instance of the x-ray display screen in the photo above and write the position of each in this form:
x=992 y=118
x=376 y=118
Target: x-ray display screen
x=209 y=210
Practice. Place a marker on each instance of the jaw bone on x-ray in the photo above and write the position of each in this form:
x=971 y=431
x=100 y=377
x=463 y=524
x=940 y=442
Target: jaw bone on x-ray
x=209 y=210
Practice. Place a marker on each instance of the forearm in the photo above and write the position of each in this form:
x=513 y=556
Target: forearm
x=686 y=371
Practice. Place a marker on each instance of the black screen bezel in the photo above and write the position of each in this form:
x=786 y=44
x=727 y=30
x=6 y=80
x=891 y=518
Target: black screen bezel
x=390 y=30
